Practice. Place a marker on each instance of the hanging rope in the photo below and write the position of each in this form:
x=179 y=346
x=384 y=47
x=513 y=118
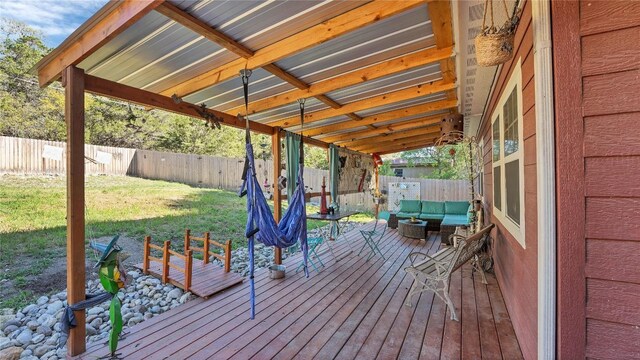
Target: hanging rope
x=301 y=103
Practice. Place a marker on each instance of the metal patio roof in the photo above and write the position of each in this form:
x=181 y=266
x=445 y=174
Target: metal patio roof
x=375 y=63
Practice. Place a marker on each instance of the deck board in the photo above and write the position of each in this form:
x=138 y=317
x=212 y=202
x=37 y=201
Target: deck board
x=352 y=308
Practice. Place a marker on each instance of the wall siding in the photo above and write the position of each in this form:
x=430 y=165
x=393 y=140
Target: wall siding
x=599 y=121
x=516 y=268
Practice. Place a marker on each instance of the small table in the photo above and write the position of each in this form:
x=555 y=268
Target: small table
x=414 y=230
x=336 y=229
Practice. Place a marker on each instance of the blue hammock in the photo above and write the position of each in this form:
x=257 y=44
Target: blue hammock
x=261 y=225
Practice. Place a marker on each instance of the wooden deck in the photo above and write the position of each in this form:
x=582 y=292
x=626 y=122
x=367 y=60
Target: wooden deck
x=351 y=309
x=206 y=279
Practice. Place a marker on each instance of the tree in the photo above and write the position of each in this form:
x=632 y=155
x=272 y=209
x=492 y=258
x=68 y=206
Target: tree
x=450 y=161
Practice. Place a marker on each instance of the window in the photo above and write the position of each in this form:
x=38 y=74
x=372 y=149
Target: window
x=398 y=172
x=507 y=156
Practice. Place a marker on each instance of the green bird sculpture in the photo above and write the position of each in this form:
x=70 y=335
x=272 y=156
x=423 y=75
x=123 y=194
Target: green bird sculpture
x=112 y=278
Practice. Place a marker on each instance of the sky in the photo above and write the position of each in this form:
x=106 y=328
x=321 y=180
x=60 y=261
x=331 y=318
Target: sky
x=57 y=19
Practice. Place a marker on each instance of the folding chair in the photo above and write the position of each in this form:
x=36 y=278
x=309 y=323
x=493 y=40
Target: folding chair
x=373 y=237
x=313 y=243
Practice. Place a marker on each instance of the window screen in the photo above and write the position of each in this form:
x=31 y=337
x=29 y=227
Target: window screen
x=510 y=113
x=512 y=179
x=496 y=140
x=497 y=192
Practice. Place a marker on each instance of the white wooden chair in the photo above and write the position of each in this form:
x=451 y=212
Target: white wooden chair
x=433 y=272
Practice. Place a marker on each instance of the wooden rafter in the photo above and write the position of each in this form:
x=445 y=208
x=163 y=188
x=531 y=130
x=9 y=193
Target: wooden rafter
x=382 y=117
x=315 y=35
x=442 y=26
x=102 y=27
x=385 y=129
x=200 y=27
x=380 y=100
x=423 y=131
x=399 y=145
x=369 y=73
x=385 y=143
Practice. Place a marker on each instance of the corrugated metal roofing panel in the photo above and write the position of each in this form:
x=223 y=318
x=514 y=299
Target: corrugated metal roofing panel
x=417 y=76
x=402 y=104
x=229 y=94
x=397 y=35
x=256 y=24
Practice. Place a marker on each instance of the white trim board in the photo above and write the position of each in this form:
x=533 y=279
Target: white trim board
x=545 y=165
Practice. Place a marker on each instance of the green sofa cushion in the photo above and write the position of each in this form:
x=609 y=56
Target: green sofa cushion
x=456 y=207
x=432 y=207
x=407 y=215
x=411 y=206
x=455 y=220
x=429 y=216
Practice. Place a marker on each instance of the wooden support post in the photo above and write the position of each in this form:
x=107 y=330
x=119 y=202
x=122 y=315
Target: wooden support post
x=205 y=246
x=188 y=269
x=73 y=80
x=146 y=253
x=165 y=261
x=227 y=256
x=377 y=191
x=277 y=197
x=187 y=241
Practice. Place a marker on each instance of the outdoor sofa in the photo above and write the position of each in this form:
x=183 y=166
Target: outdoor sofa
x=441 y=216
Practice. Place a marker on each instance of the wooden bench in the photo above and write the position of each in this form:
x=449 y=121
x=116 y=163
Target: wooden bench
x=433 y=272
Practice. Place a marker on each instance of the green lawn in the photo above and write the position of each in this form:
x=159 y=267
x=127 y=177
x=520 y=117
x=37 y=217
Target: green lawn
x=33 y=225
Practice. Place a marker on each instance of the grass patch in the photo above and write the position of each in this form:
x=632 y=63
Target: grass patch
x=33 y=223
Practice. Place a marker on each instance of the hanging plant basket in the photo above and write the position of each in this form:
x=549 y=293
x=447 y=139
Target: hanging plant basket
x=494 y=49
x=494 y=46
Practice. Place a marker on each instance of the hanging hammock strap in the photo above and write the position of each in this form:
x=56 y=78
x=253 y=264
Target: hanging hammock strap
x=244 y=75
x=301 y=102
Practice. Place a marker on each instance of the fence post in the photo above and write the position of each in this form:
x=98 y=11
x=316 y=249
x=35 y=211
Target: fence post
x=165 y=261
x=205 y=246
x=188 y=267
x=227 y=256
x=146 y=253
x=187 y=241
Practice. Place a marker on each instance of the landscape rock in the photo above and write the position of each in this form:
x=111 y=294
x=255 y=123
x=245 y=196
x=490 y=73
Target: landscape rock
x=42 y=300
x=25 y=337
x=5 y=342
x=53 y=308
x=12 y=353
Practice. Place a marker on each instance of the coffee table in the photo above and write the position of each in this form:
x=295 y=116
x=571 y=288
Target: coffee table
x=414 y=230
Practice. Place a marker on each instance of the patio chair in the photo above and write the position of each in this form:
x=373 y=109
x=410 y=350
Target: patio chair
x=373 y=237
x=313 y=244
x=433 y=272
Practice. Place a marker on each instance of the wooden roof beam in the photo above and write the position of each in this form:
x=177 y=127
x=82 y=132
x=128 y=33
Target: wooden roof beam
x=384 y=129
x=399 y=145
x=352 y=20
x=201 y=28
x=383 y=117
x=375 y=101
x=417 y=59
x=442 y=26
x=115 y=90
x=427 y=130
x=381 y=143
x=110 y=21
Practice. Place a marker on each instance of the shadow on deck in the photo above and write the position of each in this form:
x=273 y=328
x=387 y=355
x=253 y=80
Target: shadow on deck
x=351 y=309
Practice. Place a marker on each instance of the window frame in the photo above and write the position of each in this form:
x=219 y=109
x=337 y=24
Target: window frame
x=515 y=229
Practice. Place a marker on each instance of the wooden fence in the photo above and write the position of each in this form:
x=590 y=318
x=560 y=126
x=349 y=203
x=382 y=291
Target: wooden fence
x=25 y=156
